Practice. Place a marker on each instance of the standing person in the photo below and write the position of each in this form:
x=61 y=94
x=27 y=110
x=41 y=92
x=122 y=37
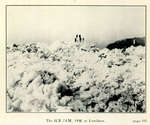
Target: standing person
x=75 y=40
x=80 y=37
x=76 y=37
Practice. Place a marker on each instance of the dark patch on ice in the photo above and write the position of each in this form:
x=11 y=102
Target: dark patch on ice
x=64 y=90
x=113 y=98
x=123 y=44
x=15 y=45
x=47 y=77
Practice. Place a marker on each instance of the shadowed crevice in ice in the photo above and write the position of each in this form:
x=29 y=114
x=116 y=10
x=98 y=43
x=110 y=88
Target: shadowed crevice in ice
x=47 y=77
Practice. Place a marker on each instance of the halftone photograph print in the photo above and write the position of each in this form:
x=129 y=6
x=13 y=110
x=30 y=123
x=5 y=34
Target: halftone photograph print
x=75 y=59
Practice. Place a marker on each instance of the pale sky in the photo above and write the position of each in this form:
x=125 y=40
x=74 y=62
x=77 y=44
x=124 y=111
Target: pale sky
x=102 y=24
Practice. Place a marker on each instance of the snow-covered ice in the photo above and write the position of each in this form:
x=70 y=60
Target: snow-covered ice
x=75 y=78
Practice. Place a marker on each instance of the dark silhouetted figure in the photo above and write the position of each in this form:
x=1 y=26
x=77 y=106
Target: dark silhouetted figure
x=77 y=36
x=83 y=39
x=80 y=38
x=75 y=40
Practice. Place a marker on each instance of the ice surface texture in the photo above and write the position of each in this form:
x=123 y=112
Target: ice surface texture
x=75 y=77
